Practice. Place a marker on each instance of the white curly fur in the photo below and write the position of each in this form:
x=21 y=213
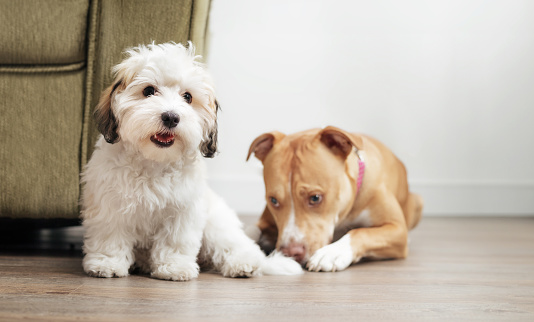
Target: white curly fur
x=148 y=206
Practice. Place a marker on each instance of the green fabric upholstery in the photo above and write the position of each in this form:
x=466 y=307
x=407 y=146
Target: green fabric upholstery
x=55 y=60
x=43 y=32
x=41 y=141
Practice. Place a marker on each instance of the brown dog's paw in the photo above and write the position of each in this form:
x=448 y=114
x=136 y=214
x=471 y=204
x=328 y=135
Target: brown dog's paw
x=333 y=257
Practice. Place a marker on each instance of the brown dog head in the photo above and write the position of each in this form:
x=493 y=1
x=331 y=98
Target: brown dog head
x=309 y=184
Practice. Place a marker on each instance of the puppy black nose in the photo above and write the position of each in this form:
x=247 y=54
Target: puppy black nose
x=170 y=119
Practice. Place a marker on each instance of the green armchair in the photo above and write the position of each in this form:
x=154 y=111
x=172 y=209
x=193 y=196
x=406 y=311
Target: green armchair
x=55 y=59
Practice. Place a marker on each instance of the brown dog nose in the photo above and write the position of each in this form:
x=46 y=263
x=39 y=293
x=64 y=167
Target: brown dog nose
x=295 y=250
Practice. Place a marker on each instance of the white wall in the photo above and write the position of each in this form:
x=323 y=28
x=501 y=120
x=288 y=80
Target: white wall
x=448 y=85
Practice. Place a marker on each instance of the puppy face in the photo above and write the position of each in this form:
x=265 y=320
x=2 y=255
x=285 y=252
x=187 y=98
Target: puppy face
x=162 y=102
x=306 y=185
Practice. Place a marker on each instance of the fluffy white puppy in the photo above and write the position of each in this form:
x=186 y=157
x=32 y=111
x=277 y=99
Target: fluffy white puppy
x=145 y=200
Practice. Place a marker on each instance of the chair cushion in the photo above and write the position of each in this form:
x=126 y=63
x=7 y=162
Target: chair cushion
x=43 y=32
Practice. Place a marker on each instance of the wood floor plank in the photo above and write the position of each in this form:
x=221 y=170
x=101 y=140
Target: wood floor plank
x=459 y=269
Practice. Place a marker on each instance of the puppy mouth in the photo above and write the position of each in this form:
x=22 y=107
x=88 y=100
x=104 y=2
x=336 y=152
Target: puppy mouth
x=163 y=139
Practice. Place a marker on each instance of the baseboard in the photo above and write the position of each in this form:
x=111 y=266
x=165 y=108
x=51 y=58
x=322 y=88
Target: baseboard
x=499 y=199
x=246 y=196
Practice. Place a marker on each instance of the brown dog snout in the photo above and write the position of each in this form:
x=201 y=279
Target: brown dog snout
x=295 y=250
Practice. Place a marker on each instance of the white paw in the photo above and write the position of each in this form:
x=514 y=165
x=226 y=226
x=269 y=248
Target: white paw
x=99 y=265
x=333 y=257
x=242 y=264
x=176 y=271
x=278 y=264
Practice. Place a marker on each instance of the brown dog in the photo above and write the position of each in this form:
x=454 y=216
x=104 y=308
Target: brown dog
x=326 y=182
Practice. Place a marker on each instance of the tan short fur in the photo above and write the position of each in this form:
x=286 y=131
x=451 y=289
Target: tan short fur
x=322 y=162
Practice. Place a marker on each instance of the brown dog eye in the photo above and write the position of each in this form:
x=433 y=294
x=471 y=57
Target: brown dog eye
x=274 y=202
x=187 y=97
x=149 y=91
x=315 y=200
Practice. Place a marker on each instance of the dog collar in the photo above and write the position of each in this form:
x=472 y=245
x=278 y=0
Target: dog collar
x=361 y=166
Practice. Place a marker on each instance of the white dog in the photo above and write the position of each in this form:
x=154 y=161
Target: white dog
x=145 y=198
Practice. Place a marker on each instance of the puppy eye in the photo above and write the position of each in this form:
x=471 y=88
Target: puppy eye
x=187 y=97
x=314 y=200
x=149 y=91
x=274 y=202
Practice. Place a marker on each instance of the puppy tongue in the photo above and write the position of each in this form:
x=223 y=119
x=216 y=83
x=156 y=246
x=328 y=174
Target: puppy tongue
x=164 y=137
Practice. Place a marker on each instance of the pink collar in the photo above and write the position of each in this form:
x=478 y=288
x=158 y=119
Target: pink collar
x=361 y=165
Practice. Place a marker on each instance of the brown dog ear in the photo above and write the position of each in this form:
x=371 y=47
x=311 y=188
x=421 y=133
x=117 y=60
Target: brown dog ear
x=105 y=119
x=263 y=144
x=340 y=142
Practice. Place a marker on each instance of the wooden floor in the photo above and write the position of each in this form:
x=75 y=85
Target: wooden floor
x=459 y=269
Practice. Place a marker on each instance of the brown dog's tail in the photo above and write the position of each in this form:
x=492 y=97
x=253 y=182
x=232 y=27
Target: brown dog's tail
x=413 y=209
